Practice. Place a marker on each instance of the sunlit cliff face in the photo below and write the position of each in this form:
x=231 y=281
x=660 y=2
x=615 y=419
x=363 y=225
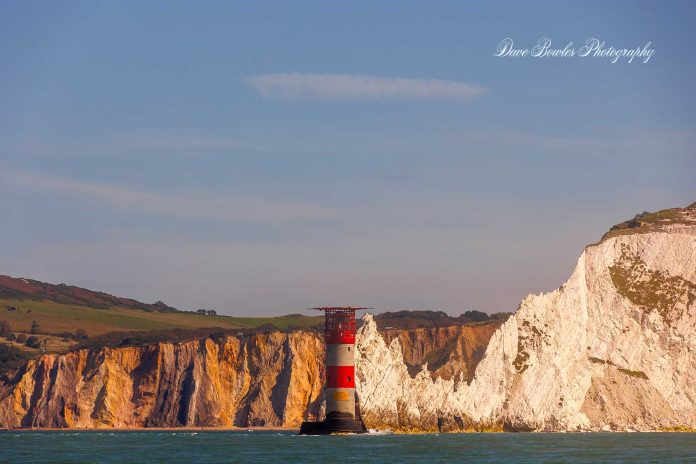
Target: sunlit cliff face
x=265 y=379
x=273 y=379
x=614 y=348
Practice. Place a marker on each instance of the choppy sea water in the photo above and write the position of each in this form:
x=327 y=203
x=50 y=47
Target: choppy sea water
x=284 y=447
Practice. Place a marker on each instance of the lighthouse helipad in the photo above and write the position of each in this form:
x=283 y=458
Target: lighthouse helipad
x=339 y=336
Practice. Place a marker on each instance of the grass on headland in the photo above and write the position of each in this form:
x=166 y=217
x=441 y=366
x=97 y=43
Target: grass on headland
x=58 y=327
x=56 y=318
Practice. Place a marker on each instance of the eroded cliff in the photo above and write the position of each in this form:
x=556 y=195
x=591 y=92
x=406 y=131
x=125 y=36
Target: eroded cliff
x=274 y=379
x=269 y=379
x=614 y=348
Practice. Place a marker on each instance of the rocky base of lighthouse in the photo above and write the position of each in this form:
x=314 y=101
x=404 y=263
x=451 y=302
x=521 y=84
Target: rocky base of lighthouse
x=335 y=422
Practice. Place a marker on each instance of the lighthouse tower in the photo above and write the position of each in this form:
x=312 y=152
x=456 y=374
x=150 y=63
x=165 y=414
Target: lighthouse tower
x=339 y=337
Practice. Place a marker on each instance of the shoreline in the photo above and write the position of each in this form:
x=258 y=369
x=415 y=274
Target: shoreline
x=294 y=430
x=151 y=429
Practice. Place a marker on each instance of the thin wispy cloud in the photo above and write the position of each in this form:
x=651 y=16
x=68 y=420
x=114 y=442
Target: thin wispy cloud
x=193 y=205
x=345 y=86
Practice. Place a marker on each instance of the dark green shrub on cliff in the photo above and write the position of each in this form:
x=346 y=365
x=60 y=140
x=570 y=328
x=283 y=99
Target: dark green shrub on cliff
x=33 y=342
x=10 y=357
x=5 y=329
x=501 y=317
x=80 y=334
x=422 y=318
x=473 y=316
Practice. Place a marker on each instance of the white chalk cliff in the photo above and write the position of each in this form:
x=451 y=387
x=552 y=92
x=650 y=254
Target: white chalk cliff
x=614 y=348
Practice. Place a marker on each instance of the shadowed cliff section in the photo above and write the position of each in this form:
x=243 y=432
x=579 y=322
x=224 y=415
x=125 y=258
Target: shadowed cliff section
x=448 y=351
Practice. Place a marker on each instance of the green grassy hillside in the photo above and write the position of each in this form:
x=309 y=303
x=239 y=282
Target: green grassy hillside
x=55 y=318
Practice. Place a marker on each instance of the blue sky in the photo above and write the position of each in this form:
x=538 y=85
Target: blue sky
x=265 y=157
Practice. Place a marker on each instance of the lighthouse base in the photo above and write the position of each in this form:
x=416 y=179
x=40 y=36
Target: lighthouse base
x=335 y=422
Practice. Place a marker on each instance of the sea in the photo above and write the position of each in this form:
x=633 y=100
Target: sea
x=285 y=447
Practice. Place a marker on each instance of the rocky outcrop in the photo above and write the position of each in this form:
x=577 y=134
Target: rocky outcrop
x=272 y=379
x=614 y=348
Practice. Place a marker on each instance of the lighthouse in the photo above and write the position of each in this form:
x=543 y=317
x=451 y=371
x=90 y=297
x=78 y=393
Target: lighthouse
x=339 y=338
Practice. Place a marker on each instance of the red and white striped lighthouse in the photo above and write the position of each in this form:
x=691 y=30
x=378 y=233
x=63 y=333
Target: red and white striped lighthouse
x=339 y=337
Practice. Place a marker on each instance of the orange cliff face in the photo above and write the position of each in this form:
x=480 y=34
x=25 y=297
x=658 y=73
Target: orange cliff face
x=268 y=379
x=272 y=379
